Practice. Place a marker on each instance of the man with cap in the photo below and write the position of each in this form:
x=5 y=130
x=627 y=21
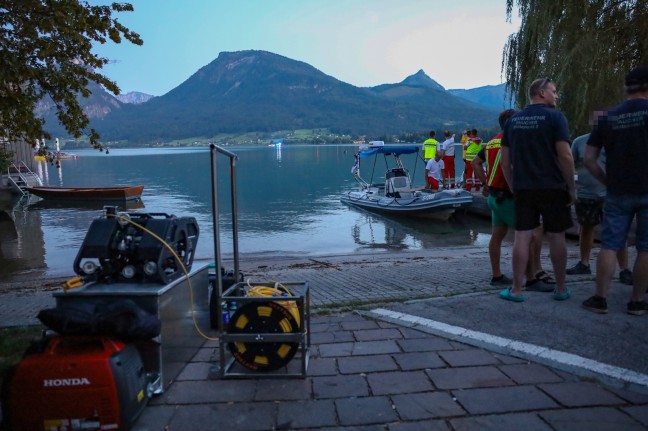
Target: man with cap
x=623 y=133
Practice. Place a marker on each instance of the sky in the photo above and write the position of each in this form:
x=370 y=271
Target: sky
x=458 y=43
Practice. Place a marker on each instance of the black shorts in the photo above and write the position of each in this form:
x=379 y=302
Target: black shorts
x=589 y=212
x=551 y=204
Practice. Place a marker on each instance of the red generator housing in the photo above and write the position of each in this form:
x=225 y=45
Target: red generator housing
x=77 y=383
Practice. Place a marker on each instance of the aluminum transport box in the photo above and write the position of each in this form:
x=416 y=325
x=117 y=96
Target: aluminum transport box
x=165 y=355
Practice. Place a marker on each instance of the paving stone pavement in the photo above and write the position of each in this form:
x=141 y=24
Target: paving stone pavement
x=367 y=373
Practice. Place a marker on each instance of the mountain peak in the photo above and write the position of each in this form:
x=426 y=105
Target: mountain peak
x=420 y=79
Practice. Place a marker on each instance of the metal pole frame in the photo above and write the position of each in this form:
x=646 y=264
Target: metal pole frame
x=214 y=149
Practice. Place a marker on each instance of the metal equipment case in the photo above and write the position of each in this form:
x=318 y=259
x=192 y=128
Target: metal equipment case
x=178 y=342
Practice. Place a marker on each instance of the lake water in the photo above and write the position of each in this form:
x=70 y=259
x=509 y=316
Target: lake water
x=288 y=205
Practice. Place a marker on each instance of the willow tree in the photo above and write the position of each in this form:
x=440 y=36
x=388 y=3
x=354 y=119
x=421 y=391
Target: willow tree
x=586 y=46
x=46 y=53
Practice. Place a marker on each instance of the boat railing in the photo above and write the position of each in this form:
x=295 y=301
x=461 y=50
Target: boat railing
x=20 y=177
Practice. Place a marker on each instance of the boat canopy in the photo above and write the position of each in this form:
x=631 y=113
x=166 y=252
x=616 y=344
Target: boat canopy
x=395 y=150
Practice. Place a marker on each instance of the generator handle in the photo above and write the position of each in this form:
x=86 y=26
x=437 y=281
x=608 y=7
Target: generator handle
x=56 y=343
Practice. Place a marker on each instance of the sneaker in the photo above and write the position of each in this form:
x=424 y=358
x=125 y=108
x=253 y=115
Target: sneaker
x=637 y=308
x=501 y=281
x=579 y=268
x=597 y=305
x=625 y=277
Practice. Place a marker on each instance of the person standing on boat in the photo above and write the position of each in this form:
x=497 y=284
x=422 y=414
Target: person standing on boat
x=430 y=147
x=434 y=172
x=465 y=137
x=473 y=146
x=623 y=132
x=539 y=168
x=447 y=147
x=590 y=197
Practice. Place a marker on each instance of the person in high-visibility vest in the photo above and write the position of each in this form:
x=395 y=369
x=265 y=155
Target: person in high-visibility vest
x=473 y=146
x=499 y=197
x=430 y=147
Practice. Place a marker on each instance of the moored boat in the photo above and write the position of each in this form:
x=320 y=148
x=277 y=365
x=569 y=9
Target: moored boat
x=88 y=193
x=396 y=196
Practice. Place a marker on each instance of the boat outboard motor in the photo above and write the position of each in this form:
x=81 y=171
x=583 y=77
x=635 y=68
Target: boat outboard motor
x=137 y=247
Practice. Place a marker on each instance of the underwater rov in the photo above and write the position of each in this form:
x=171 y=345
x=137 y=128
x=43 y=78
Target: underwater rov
x=137 y=247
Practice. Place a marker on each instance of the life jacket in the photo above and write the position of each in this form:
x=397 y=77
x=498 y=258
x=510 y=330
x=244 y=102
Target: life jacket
x=492 y=154
x=430 y=148
x=473 y=148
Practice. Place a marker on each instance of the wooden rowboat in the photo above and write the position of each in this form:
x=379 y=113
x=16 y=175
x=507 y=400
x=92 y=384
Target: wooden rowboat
x=88 y=193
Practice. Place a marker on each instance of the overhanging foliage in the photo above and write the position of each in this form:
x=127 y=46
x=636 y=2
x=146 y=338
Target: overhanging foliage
x=586 y=46
x=46 y=52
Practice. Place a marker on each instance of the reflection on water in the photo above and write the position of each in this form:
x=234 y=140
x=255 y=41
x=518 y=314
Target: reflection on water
x=288 y=204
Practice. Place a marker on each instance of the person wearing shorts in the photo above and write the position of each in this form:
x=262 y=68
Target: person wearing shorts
x=589 y=213
x=498 y=196
x=623 y=133
x=538 y=166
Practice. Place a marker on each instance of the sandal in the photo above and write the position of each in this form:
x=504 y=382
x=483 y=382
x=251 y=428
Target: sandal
x=507 y=295
x=561 y=296
x=545 y=278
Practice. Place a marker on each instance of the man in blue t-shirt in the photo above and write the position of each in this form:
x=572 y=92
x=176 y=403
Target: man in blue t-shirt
x=623 y=132
x=538 y=166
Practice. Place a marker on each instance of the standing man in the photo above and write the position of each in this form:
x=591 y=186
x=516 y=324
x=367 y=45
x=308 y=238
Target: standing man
x=448 y=160
x=538 y=166
x=590 y=196
x=499 y=197
x=434 y=169
x=430 y=147
x=623 y=132
x=500 y=201
x=473 y=146
x=465 y=137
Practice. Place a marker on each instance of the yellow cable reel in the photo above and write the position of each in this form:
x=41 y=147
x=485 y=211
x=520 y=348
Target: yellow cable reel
x=267 y=317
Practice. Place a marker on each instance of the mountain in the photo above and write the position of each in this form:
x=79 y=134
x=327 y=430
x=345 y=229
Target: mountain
x=134 y=97
x=98 y=106
x=258 y=91
x=420 y=79
x=493 y=96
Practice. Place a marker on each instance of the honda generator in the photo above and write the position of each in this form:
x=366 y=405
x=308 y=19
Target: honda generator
x=76 y=383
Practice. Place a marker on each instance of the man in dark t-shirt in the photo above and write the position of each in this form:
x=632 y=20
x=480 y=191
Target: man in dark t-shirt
x=538 y=166
x=623 y=132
